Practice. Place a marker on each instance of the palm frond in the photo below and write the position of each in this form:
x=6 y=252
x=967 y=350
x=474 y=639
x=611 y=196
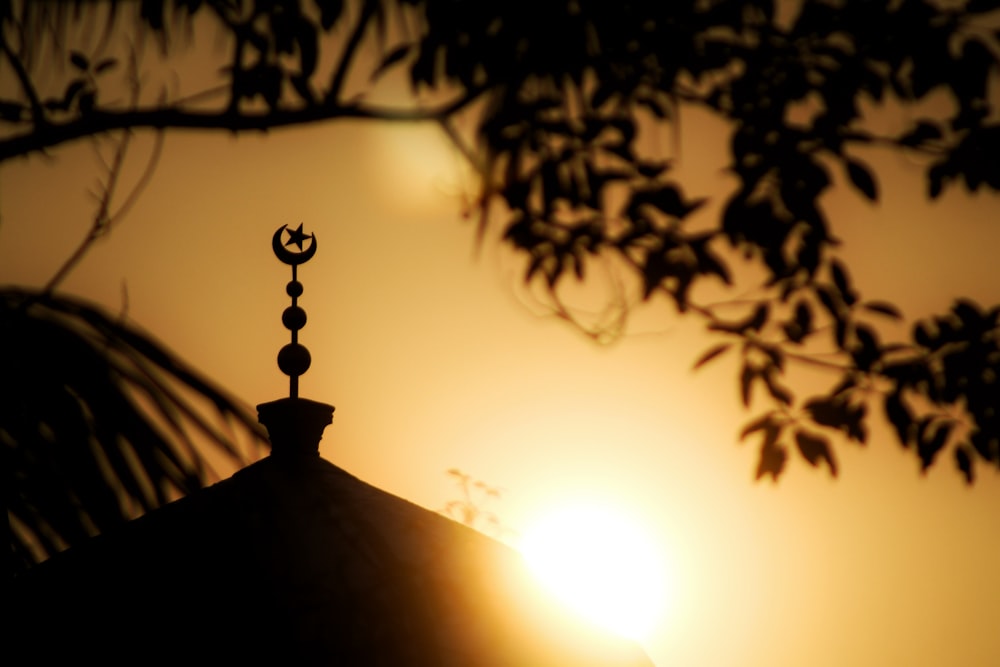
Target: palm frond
x=100 y=423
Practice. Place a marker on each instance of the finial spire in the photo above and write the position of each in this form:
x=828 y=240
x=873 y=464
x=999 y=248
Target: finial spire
x=294 y=425
x=294 y=358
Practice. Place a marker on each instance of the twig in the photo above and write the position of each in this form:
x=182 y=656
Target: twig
x=101 y=218
x=208 y=92
x=144 y=179
x=101 y=121
x=346 y=58
x=456 y=139
x=37 y=113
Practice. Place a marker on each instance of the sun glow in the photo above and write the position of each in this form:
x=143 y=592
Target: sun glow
x=418 y=166
x=601 y=564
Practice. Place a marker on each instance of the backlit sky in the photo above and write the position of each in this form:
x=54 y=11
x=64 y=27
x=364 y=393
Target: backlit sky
x=435 y=358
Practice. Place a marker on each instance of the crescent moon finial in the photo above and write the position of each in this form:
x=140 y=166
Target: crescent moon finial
x=293 y=359
x=297 y=237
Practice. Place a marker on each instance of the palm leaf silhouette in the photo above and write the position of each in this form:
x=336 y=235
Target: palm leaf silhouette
x=100 y=423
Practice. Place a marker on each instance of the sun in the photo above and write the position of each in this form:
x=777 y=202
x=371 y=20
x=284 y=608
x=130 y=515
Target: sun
x=419 y=166
x=602 y=564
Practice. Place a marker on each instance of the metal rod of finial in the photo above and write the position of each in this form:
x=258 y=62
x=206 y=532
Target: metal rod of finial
x=293 y=359
x=293 y=380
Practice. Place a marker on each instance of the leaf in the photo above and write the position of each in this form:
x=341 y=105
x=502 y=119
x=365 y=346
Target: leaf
x=394 y=57
x=883 y=308
x=828 y=412
x=11 y=111
x=152 y=12
x=79 y=61
x=603 y=94
x=653 y=169
x=963 y=460
x=840 y=331
x=765 y=421
x=87 y=101
x=922 y=335
x=105 y=65
x=534 y=266
x=330 y=11
x=842 y=281
x=746 y=379
x=862 y=179
x=931 y=441
x=977 y=6
x=868 y=350
x=937 y=176
x=301 y=86
x=923 y=132
x=759 y=318
x=263 y=79
x=969 y=312
x=778 y=392
x=72 y=91
x=987 y=444
x=772 y=457
x=711 y=354
x=307 y=41
x=801 y=326
x=803 y=317
x=815 y=448
x=843 y=388
x=578 y=265
x=774 y=355
x=709 y=263
x=754 y=322
x=856 y=428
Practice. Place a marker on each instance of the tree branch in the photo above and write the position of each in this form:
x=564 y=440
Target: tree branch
x=337 y=83
x=147 y=176
x=160 y=118
x=37 y=113
x=101 y=218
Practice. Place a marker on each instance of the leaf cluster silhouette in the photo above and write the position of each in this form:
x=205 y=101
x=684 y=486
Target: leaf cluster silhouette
x=548 y=101
x=100 y=422
x=471 y=507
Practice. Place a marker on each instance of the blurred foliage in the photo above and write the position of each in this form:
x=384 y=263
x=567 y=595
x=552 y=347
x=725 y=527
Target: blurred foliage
x=548 y=101
x=471 y=507
x=100 y=423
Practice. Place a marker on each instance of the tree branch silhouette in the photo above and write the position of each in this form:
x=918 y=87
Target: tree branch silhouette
x=166 y=118
x=369 y=7
x=104 y=218
x=556 y=139
x=34 y=103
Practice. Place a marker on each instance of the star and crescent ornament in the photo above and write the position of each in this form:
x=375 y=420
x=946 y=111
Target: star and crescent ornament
x=295 y=237
x=293 y=358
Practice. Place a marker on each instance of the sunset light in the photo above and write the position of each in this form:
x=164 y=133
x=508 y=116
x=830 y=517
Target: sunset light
x=417 y=167
x=670 y=330
x=601 y=564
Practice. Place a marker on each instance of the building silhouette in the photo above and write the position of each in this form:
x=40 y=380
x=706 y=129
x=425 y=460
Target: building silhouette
x=294 y=561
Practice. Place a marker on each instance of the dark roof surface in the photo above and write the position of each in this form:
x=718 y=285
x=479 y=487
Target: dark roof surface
x=295 y=561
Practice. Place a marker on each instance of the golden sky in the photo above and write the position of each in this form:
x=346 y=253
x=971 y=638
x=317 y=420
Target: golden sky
x=435 y=357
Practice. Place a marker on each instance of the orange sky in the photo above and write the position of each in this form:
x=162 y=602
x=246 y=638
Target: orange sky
x=434 y=361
